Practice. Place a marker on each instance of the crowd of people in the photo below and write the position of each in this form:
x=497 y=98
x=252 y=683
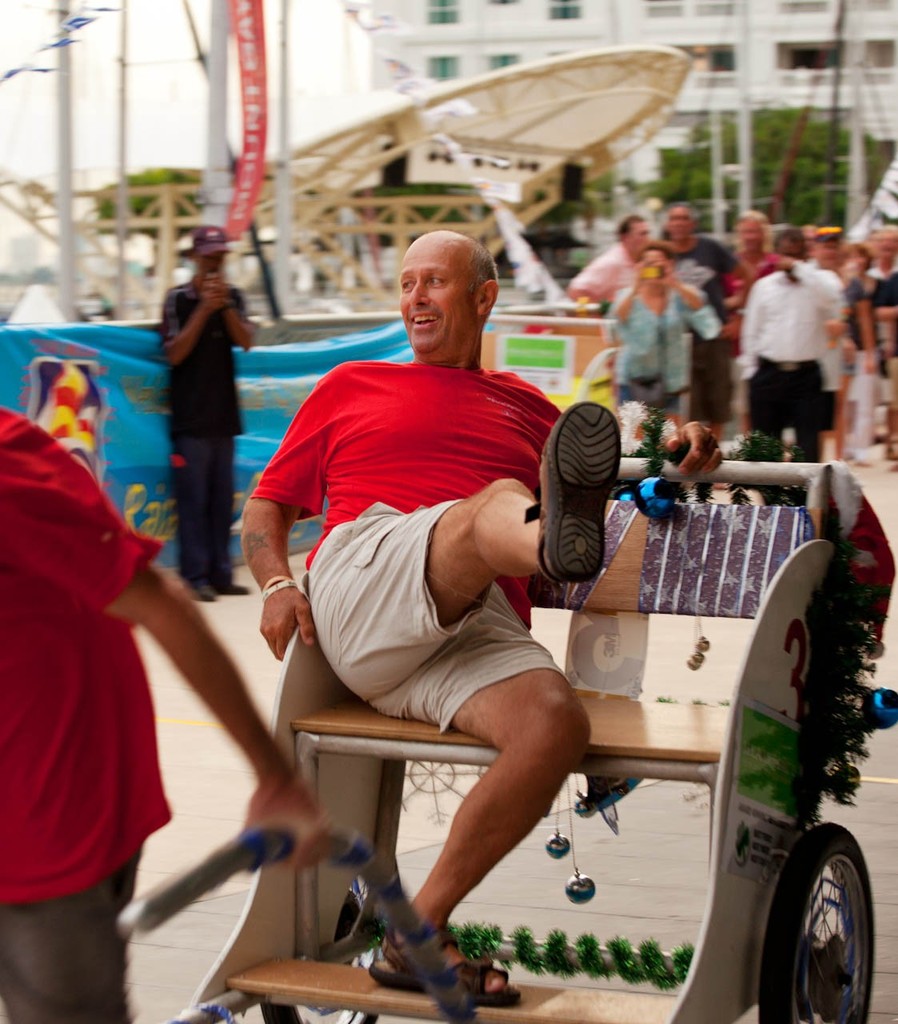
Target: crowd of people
x=796 y=330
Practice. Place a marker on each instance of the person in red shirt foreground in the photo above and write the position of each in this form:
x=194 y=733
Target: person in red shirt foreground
x=419 y=585
x=81 y=784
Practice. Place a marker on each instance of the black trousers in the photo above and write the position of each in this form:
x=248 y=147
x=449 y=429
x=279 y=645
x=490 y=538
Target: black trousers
x=788 y=398
x=204 y=491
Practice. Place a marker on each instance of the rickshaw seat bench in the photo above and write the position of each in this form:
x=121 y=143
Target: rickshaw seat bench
x=618 y=729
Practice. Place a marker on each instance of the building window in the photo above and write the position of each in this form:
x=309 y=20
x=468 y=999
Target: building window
x=664 y=9
x=442 y=12
x=442 y=67
x=503 y=60
x=879 y=53
x=712 y=58
x=795 y=56
x=563 y=9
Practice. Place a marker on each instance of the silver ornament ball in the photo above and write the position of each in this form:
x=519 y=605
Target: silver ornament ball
x=584 y=808
x=580 y=888
x=558 y=846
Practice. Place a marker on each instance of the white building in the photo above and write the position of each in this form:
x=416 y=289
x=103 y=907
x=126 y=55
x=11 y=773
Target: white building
x=775 y=52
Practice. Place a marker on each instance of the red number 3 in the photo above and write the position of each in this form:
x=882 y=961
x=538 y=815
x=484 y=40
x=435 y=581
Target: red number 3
x=797 y=634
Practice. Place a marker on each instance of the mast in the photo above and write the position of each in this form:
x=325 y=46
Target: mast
x=64 y=178
x=857 y=167
x=746 y=153
x=832 y=139
x=283 y=204
x=217 y=174
x=121 y=210
x=205 y=64
x=718 y=200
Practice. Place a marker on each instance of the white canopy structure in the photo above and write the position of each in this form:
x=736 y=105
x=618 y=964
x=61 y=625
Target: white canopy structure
x=537 y=131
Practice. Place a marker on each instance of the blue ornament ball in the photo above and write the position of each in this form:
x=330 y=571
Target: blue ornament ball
x=580 y=888
x=656 y=497
x=881 y=708
x=625 y=492
x=558 y=846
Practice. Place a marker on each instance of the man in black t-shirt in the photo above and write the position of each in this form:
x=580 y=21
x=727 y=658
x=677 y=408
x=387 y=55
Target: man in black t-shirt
x=701 y=262
x=201 y=322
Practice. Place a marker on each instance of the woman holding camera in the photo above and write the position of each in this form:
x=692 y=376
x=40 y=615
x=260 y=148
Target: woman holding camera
x=652 y=317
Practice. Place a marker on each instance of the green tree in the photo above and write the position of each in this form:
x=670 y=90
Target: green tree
x=786 y=152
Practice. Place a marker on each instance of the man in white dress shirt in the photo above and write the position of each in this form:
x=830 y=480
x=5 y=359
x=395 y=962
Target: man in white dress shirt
x=784 y=337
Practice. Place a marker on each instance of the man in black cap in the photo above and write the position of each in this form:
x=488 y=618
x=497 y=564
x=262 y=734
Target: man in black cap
x=201 y=322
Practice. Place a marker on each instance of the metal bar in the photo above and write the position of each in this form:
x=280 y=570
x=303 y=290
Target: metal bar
x=777 y=474
x=592 y=764
x=248 y=852
x=392 y=782
x=231 y=1000
x=307 y=937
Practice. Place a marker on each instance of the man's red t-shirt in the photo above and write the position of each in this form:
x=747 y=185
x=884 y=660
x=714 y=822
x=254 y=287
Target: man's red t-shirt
x=408 y=435
x=81 y=788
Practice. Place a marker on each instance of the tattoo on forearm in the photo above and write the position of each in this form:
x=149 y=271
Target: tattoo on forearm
x=253 y=543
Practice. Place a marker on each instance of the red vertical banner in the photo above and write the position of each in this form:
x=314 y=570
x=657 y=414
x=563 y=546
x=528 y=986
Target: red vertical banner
x=248 y=29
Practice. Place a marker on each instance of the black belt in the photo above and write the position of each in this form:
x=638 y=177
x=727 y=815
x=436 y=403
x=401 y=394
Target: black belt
x=788 y=367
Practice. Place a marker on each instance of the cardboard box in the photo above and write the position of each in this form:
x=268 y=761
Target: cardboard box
x=555 y=368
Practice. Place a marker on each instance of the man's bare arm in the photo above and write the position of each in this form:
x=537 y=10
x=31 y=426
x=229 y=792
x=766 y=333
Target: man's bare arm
x=266 y=527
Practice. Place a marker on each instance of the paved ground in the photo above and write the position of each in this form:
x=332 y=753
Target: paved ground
x=651 y=880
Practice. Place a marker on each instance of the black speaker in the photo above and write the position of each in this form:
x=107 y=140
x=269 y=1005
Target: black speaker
x=572 y=183
x=394 y=172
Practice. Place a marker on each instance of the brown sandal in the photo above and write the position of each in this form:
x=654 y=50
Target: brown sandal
x=394 y=971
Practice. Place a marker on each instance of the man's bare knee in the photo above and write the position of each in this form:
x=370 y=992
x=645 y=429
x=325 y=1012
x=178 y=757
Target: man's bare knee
x=536 y=712
x=559 y=719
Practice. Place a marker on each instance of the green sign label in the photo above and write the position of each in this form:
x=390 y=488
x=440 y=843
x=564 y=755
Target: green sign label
x=768 y=761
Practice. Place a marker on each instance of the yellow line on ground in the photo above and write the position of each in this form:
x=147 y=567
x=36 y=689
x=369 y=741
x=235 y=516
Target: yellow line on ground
x=188 y=721
x=874 y=778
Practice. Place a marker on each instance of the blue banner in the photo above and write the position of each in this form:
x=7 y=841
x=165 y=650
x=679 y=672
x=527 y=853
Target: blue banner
x=102 y=392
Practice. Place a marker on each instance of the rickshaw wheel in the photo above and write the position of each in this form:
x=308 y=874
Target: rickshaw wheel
x=818 y=948
x=271 y=1014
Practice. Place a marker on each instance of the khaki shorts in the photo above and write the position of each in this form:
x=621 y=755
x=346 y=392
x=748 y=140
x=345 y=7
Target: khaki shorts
x=710 y=387
x=377 y=625
x=892 y=370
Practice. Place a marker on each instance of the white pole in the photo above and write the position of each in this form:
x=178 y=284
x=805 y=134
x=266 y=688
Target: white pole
x=857 y=166
x=718 y=202
x=217 y=177
x=64 y=179
x=121 y=222
x=746 y=156
x=283 y=197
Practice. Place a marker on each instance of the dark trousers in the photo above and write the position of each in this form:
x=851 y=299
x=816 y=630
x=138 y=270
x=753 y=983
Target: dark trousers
x=788 y=398
x=204 y=491
x=63 y=959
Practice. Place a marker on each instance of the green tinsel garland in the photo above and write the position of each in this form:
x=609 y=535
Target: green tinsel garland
x=556 y=956
x=833 y=735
